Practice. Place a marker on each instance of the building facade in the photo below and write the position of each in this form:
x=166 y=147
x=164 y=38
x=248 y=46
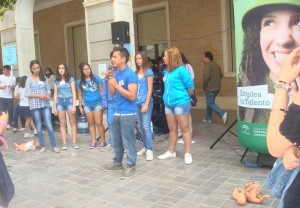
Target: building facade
x=75 y=31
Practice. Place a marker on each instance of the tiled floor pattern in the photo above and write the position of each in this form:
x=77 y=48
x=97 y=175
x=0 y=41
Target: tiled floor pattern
x=76 y=179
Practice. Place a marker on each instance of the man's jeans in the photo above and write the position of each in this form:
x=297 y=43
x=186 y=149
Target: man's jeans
x=16 y=117
x=122 y=129
x=211 y=106
x=111 y=109
x=144 y=122
x=7 y=105
x=37 y=115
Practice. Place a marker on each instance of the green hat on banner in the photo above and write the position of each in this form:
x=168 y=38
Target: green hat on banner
x=260 y=6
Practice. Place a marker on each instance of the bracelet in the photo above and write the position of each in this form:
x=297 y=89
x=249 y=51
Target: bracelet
x=282 y=85
x=279 y=109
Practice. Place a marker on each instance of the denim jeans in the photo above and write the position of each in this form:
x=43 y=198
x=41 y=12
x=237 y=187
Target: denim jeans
x=17 y=114
x=37 y=115
x=144 y=122
x=290 y=196
x=122 y=129
x=7 y=105
x=211 y=106
x=111 y=109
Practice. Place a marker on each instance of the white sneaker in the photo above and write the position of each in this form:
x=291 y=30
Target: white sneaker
x=21 y=129
x=8 y=126
x=167 y=155
x=106 y=148
x=224 y=117
x=35 y=132
x=28 y=135
x=14 y=130
x=188 y=159
x=149 y=155
x=141 y=152
x=64 y=147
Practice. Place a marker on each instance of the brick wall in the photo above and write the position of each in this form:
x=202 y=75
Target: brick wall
x=50 y=25
x=195 y=26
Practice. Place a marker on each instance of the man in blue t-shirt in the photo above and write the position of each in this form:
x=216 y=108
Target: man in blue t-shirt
x=124 y=87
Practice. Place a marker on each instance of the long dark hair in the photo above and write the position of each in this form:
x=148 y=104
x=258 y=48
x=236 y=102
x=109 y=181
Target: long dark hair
x=184 y=59
x=51 y=72
x=145 y=61
x=22 y=81
x=41 y=73
x=82 y=78
x=67 y=75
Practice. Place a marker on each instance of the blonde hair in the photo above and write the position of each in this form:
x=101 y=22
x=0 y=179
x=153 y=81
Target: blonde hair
x=174 y=58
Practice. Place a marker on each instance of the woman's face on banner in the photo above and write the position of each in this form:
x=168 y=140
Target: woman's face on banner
x=279 y=35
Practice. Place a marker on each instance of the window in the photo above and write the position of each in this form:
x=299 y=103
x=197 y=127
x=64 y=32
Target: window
x=151 y=29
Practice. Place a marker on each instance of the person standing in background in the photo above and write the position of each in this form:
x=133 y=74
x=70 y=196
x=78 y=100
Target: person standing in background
x=50 y=79
x=178 y=85
x=38 y=92
x=25 y=110
x=144 y=103
x=189 y=67
x=17 y=113
x=89 y=88
x=212 y=77
x=109 y=102
x=124 y=86
x=7 y=85
x=64 y=100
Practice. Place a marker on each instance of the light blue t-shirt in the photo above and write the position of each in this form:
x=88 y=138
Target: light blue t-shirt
x=176 y=86
x=91 y=91
x=124 y=78
x=142 y=88
x=64 y=89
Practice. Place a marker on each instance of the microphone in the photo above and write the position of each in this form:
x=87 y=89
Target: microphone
x=109 y=68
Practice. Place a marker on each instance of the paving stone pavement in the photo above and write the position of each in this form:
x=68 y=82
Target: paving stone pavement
x=76 y=179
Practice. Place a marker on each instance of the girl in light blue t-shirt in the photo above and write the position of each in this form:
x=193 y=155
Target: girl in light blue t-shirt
x=64 y=100
x=144 y=102
x=89 y=88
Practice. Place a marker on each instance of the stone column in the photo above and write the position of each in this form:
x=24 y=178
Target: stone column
x=99 y=14
x=17 y=29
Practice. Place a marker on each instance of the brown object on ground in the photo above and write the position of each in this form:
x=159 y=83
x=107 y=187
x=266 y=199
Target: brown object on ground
x=30 y=145
x=240 y=197
x=250 y=193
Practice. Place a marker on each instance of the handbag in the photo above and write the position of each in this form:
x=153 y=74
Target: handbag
x=193 y=98
x=279 y=177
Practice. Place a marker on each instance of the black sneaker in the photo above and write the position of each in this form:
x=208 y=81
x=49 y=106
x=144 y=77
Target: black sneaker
x=128 y=172
x=113 y=166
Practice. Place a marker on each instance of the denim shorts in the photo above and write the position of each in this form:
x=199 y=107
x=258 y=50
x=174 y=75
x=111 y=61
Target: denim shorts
x=25 y=111
x=178 y=110
x=90 y=108
x=64 y=104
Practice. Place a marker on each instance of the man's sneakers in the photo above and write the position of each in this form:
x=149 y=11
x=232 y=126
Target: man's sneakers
x=113 y=166
x=206 y=121
x=128 y=172
x=224 y=117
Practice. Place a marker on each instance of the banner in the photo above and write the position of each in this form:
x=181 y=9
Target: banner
x=266 y=31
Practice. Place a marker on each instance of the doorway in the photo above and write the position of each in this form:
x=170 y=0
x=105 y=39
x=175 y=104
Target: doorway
x=76 y=48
